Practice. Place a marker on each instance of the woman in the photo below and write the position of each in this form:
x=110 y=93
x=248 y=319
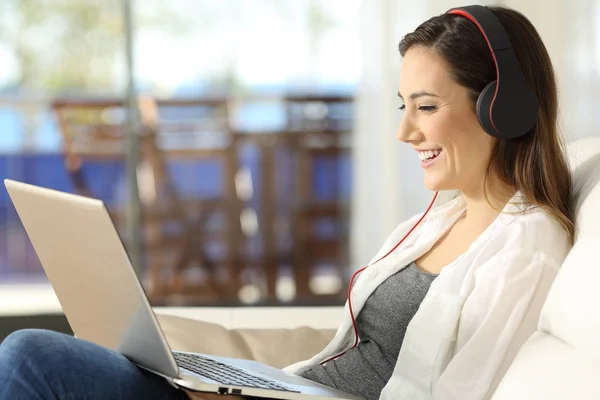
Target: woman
x=444 y=314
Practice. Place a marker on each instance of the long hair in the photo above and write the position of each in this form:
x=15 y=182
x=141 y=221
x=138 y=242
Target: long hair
x=535 y=164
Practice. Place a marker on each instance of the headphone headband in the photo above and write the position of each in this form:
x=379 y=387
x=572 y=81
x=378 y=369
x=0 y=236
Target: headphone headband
x=506 y=108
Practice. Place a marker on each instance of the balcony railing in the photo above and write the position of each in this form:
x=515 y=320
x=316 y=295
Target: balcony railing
x=291 y=177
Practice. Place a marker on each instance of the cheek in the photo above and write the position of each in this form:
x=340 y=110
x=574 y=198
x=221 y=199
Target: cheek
x=473 y=151
x=467 y=145
x=436 y=130
x=467 y=150
x=484 y=144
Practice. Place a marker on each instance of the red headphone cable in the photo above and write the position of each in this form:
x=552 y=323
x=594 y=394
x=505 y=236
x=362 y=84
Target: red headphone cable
x=362 y=269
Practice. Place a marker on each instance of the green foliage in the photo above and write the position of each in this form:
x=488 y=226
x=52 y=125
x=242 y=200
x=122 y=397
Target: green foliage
x=79 y=45
x=63 y=45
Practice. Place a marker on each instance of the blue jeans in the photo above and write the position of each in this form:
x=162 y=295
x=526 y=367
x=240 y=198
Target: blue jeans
x=39 y=364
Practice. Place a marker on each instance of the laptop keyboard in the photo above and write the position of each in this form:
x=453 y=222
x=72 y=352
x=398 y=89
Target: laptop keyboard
x=224 y=373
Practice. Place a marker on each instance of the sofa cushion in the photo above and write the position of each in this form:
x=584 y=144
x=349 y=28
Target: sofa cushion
x=547 y=368
x=561 y=360
x=276 y=347
x=571 y=309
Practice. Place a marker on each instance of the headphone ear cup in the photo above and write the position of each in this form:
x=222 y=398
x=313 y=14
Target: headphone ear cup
x=483 y=106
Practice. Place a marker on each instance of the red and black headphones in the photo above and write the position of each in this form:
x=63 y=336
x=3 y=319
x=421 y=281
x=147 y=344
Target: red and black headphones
x=507 y=108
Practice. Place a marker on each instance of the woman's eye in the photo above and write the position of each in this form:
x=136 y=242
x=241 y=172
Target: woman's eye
x=420 y=108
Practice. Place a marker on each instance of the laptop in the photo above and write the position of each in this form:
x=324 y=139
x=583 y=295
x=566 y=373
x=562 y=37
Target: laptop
x=105 y=303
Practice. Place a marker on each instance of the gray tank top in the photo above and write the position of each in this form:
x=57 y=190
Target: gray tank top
x=366 y=369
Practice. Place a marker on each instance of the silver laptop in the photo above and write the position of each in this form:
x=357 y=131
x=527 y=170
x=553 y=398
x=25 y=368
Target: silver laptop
x=105 y=303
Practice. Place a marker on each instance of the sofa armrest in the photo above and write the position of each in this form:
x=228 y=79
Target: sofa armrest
x=261 y=317
x=278 y=347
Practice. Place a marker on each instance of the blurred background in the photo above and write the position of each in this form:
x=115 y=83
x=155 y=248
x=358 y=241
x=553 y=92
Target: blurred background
x=245 y=148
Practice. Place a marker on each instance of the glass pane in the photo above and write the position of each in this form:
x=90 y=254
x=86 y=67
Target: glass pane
x=267 y=193
x=53 y=49
x=247 y=111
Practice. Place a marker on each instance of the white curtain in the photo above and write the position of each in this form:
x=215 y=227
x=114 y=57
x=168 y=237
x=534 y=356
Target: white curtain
x=388 y=180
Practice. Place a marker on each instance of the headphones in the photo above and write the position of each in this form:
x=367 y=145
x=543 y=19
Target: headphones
x=506 y=108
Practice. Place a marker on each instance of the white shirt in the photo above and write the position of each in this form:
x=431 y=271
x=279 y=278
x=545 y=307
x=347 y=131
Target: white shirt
x=478 y=311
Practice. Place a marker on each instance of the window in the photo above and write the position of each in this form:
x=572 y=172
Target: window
x=255 y=55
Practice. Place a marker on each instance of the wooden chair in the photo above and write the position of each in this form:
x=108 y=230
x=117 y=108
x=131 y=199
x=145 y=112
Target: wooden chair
x=193 y=131
x=93 y=130
x=321 y=126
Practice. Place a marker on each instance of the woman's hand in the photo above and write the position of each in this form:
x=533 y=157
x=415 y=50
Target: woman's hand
x=211 y=396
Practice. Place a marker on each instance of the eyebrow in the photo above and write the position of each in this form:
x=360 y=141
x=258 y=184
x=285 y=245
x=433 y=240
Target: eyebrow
x=416 y=95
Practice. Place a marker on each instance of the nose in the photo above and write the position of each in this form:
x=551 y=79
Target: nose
x=408 y=131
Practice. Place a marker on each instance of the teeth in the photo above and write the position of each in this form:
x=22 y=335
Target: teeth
x=424 y=155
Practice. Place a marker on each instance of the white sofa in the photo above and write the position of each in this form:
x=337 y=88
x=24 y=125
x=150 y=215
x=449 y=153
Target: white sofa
x=561 y=361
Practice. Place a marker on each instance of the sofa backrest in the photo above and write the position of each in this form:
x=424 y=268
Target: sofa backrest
x=562 y=359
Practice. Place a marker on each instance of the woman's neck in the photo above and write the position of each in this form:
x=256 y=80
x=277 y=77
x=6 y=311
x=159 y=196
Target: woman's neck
x=482 y=210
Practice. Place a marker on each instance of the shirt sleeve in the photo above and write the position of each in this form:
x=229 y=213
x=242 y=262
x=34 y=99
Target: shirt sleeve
x=498 y=316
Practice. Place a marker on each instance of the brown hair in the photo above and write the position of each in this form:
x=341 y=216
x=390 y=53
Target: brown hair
x=535 y=164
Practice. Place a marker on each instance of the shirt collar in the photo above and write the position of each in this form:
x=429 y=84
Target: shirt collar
x=446 y=214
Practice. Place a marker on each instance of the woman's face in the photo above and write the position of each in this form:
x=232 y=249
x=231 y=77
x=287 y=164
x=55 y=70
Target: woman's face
x=440 y=123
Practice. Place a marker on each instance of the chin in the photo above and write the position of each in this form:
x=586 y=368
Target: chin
x=433 y=188
x=438 y=185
